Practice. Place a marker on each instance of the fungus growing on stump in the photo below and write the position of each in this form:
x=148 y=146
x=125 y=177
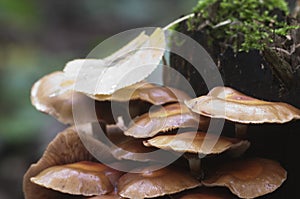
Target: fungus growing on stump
x=229 y=104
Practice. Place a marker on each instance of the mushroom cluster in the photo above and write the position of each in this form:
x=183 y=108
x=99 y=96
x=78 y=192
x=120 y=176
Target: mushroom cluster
x=165 y=119
x=166 y=123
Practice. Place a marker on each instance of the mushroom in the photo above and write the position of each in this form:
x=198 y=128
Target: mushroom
x=80 y=178
x=247 y=178
x=229 y=104
x=195 y=142
x=66 y=142
x=66 y=148
x=150 y=183
x=154 y=94
x=164 y=119
x=205 y=193
x=198 y=143
x=139 y=97
x=133 y=149
x=53 y=94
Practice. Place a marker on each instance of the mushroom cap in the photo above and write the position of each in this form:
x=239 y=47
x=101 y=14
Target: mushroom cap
x=196 y=142
x=81 y=178
x=205 y=193
x=53 y=94
x=65 y=148
x=154 y=94
x=164 y=119
x=133 y=149
x=248 y=178
x=227 y=103
x=149 y=184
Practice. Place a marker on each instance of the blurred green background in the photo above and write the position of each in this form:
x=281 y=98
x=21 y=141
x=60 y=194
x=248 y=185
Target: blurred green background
x=38 y=37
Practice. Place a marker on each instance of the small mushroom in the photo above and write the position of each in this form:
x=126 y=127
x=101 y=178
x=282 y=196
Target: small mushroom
x=229 y=104
x=154 y=94
x=135 y=100
x=247 y=178
x=53 y=94
x=66 y=148
x=164 y=119
x=149 y=183
x=205 y=193
x=198 y=143
x=133 y=149
x=195 y=142
x=81 y=178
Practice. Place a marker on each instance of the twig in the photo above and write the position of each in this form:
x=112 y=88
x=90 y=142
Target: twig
x=178 y=21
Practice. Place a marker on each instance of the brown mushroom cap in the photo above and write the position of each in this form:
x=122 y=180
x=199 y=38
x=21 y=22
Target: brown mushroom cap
x=164 y=119
x=248 y=178
x=81 y=178
x=154 y=94
x=133 y=149
x=205 y=193
x=66 y=148
x=150 y=184
x=227 y=103
x=195 y=142
x=53 y=94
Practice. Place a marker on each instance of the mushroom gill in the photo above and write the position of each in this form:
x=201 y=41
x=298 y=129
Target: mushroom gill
x=247 y=178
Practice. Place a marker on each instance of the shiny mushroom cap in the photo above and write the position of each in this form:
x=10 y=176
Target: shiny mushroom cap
x=248 y=178
x=81 y=178
x=64 y=149
x=205 y=193
x=196 y=142
x=154 y=94
x=53 y=94
x=149 y=184
x=227 y=103
x=164 y=119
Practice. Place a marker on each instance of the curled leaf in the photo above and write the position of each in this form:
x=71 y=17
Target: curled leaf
x=129 y=65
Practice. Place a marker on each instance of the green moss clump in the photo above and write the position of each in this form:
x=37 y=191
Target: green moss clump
x=242 y=24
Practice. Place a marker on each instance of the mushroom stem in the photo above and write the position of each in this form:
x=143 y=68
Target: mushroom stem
x=241 y=130
x=195 y=165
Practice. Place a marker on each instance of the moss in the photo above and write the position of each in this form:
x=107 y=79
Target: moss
x=242 y=24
